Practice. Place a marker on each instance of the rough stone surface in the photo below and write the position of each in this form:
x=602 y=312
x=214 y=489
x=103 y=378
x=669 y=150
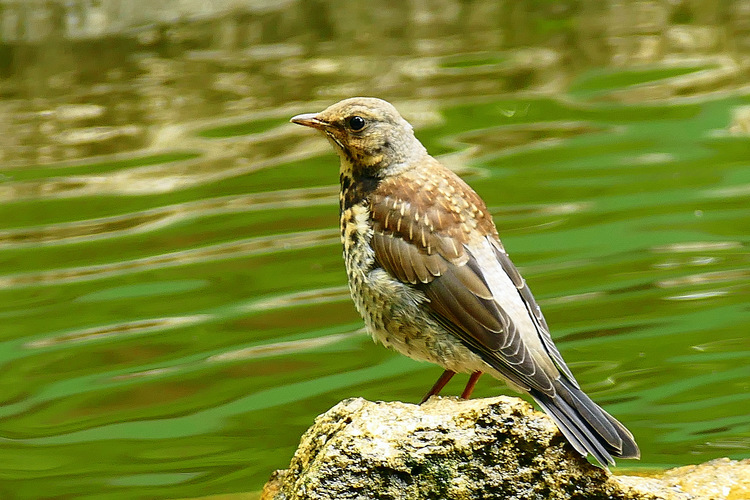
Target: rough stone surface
x=497 y=448
x=720 y=479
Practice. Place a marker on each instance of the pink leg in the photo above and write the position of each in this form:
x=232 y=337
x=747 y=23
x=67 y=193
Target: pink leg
x=444 y=379
x=470 y=385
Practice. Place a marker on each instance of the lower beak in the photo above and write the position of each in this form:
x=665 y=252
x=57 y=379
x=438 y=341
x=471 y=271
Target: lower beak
x=309 y=120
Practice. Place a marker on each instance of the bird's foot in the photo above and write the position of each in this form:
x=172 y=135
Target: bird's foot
x=470 y=385
x=444 y=379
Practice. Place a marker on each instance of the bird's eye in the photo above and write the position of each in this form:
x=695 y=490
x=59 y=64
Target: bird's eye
x=356 y=123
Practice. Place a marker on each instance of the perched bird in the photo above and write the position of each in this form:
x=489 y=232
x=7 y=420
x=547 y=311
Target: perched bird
x=430 y=277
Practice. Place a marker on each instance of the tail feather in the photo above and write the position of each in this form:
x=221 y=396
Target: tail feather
x=594 y=415
x=580 y=436
x=586 y=426
x=629 y=447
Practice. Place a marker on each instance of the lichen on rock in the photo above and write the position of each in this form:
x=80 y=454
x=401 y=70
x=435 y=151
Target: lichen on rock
x=496 y=448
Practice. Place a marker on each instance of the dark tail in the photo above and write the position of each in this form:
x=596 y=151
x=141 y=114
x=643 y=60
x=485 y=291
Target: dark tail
x=586 y=426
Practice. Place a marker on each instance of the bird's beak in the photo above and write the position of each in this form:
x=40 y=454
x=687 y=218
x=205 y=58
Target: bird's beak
x=309 y=120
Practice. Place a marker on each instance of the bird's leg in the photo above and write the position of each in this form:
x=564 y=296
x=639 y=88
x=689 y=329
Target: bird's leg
x=470 y=385
x=444 y=379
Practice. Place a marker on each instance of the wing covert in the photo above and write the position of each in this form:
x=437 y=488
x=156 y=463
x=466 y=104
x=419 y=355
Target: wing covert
x=426 y=244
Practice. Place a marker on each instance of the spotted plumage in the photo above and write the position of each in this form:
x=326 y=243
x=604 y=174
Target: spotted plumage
x=431 y=279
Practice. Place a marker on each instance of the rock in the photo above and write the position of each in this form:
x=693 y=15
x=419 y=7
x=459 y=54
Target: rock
x=718 y=479
x=496 y=448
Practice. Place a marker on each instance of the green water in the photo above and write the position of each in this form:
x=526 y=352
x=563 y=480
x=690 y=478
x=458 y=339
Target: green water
x=173 y=297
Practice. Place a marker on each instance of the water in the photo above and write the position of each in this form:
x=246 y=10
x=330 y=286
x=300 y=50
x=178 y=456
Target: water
x=172 y=292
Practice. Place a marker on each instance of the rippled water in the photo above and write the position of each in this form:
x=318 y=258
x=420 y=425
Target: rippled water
x=172 y=292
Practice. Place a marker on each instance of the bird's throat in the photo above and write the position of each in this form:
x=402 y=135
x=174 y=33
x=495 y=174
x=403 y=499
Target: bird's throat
x=355 y=188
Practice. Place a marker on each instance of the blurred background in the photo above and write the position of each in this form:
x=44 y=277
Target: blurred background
x=173 y=300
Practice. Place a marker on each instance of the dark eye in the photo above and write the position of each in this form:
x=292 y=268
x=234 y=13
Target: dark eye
x=356 y=123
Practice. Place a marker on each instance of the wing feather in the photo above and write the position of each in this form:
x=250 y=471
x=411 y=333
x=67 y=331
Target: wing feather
x=535 y=312
x=433 y=255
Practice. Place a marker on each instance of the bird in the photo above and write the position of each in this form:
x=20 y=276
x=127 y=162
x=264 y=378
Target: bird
x=431 y=279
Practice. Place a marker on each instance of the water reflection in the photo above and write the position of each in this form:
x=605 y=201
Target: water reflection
x=281 y=348
x=170 y=270
x=253 y=246
x=99 y=333
x=154 y=219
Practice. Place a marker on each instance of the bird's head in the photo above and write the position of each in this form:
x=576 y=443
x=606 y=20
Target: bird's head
x=369 y=135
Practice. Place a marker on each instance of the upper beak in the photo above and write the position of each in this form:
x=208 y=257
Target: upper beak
x=309 y=120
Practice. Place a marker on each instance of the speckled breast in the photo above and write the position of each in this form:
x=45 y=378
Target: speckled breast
x=391 y=309
x=356 y=234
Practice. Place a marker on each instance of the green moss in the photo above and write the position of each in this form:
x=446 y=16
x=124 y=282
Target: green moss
x=433 y=475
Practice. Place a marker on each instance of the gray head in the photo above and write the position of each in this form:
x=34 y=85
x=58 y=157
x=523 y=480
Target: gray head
x=368 y=134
